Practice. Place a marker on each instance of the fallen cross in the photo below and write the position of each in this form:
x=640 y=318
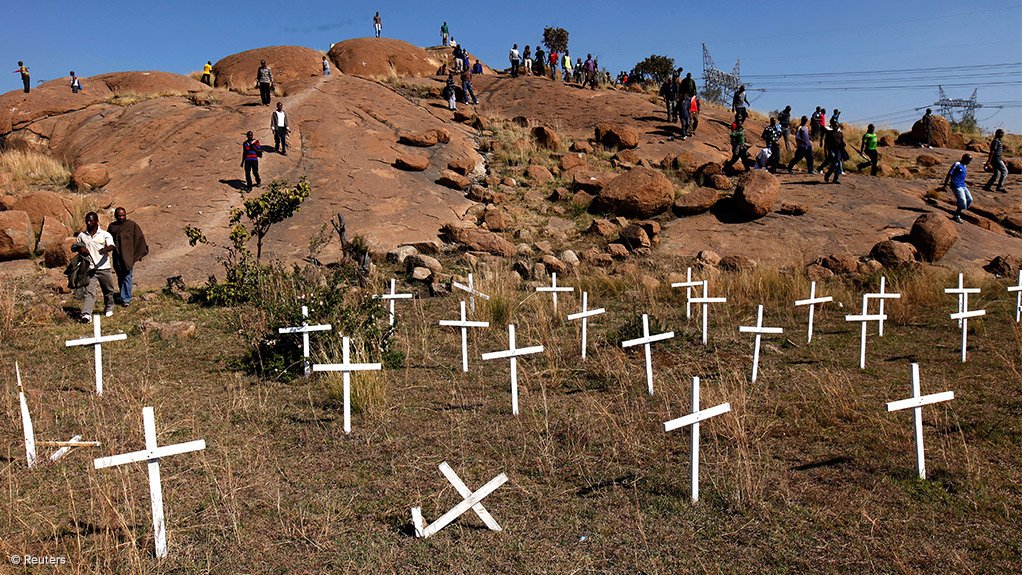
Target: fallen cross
x=472 y=500
x=883 y=296
x=584 y=315
x=812 y=302
x=864 y=317
x=305 y=329
x=464 y=324
x=30 y=442
x=152 y=455
x=693 y=419
x=759 y=330
x=963 y=295
x=513 y=353
x=393 y=295
x=346 y=367
x=705 y=301
x=1018 y=297
x=472 y=293
x=96 y=341
x=553 y=289
x=916 y=403
x=963 y=316
x=644 y=341
x=688 y=284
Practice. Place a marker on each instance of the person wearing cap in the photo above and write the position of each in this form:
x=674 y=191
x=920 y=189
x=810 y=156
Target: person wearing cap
x=250 y=154
x=996 y=163
x=956 y=177
x=98 y=245
x=264 y=77
x=129 y=248
x=280 y=129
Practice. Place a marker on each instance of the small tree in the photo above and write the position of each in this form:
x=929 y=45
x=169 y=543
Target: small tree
x=659 y=68
x=555 y=39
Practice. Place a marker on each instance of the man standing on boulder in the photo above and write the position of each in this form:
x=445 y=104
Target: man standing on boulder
x=927 y=125
x=868 y=150
x=264 y=77
x=996 y=162
x=466 y=86
x=956 y=176
x=129 y=249
x=250 y=154
x=97 y=245
x=740 y=104
x=378 y=24
x=278 y=125
x=25 y=79
x=515 y=59
x=554 y=60
x=207 y=73
x=445 y=34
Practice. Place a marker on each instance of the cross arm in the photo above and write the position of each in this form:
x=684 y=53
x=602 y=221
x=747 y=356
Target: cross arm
x=697 y=417
x=149 y=454
x=920 y=401
x=95 y=340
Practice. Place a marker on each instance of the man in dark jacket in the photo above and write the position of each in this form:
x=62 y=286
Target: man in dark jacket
x=669 y=92
x=129 y=248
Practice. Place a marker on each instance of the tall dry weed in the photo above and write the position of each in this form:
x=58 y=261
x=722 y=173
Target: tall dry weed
x=21 y=168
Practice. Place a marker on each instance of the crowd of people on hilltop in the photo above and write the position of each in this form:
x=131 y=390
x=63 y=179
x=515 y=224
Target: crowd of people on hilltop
x=557 y=66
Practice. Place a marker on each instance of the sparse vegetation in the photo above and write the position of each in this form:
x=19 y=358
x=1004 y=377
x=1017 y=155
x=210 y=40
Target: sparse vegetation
x=656 y=68
x=22 y=168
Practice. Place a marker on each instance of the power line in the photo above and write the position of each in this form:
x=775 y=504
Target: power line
x=892 y=71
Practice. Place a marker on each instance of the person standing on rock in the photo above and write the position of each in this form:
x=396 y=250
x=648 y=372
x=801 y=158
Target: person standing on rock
x=207 y=73
x=834 y=147
x=927 y=124
x=821 y=129
x=784 y=121
x=956 y=177
x=814 y=124
x=378 y=24
x=280 y=129
x=567 y=67
x=466 y=86
x=693 y=113
x=251 y=151
x=97 y=245
x=445 y=34
x=129 y=248
x=451 y=94
x=25 y=79
x=538 y=63
x=996 y=162
x=554 y=59
x=868 y=150
x=772 y=138
x=740 y=104
x=590 y=67
x=803 y=147
x=76 y=84
x=326 y=66
x=669 y=92
x=515 y=59
x=264 y=78
x=834 y=117
x=527 y=60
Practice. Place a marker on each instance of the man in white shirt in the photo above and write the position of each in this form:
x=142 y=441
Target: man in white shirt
x=278 y=124
x=98 y=245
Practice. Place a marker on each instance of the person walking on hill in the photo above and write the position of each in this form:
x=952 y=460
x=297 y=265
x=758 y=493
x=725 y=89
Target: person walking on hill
x=927 y=122
x=264 y=77
x=669 y=92
x=451 y=93
x=207 y=73
x=814 y=124
x=554 y=60
x=129 y=248
x=26 y=81
x=688 y=86
x=477 y=68
x=515 y=60
x=739 y=149
x=378 y=24
x=956 y=177
x=445 y=34
x=686 y=89
x=834 y=147
x=996 y=163
x=740 y=104
x=567 y=67
x=578 y=70
x=772 y=138
x=251 y=151
x=868 y=150
x=326 y=66
x=590 y=67
x=280 y=129
x=693 y=113
x=834 y=117
x=527 y=60
x=96 y=245
x=539 y=64
x=803 y=147
x=76 y=84
x=821 y=130
x=466 y=86
x=784 y=121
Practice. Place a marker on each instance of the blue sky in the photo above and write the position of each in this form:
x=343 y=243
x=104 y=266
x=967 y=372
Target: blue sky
x=921 y=38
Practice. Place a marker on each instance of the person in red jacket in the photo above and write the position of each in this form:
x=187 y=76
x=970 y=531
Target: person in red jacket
x=554 y=59
x=250 y=154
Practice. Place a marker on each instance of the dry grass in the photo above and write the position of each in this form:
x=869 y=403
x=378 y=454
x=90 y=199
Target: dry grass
x=20 y=169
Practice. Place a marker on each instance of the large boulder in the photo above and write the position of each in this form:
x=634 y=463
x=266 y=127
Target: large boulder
x=547 y=138
x=1004 y=266
x=479 y=240
x=939 y=126
x=1014 y=165
x=289 y=65
x=892 y=254
x=58 y=255
x=382 y=58
x=640 y=192
x=933 y=235
x=756 y=194
x=16 y=237
x=39 y=205
x=90 y=176
x=695 y=202
x=150 y=82
x=619 y=136
x=53 y=98
x=53 y=233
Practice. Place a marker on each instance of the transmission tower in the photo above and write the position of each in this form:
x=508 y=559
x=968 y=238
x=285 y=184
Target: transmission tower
x=719 y=85
x=948 y=106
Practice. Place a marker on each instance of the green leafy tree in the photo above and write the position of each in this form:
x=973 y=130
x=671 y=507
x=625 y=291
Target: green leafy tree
x=555 y=39
x=658 y=68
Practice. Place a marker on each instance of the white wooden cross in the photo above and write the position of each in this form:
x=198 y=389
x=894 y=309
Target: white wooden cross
x=96 y=341
x=464 y=324
x=644 y=341
x=963 y=319
x=1018 y=297
x=916 y=403
x=882 y=296
x=688 y=284
x=705 y=301
x=864 y=317
x=693 y=419
x=472 y=293
x=393 y=295
x=513 y=353
x=305 y=329
x=759 y=330
x=963 y=294
x=346 y=367
x=811 y=302
x=30 y=442
x=152 y=455
x=553 y=289
x=584 y=315
x=472 y=500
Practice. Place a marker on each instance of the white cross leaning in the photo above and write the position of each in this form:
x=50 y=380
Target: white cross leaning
x=96 y=341
x=305 y=329
x=513 y=353
x=688 y=284
x=644 y=341
x=30 y=442
x=472 y=500
x=759 y=330
x=916 y=403
x=693 y=419
x=812 y=302
x=864 y=317
x=393 y=295
x=553 y=289
x=705 y=301
x=464 y=324
x=963 y=316
x=1018 y=297
x=882 y=296
x=152 y=455
x=346 y=367
x=584 y=315
x=472 y=293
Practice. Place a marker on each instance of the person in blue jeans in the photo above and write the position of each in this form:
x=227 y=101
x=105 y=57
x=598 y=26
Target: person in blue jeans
x=466 y=86
x=129 y=248
x=956 y=177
